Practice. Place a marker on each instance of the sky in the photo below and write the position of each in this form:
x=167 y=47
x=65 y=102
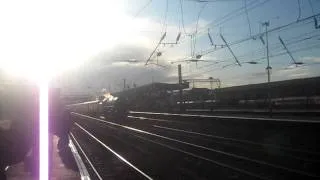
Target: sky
x=83 y=45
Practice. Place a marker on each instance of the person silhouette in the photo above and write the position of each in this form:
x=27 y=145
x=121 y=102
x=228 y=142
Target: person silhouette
x=18 y=142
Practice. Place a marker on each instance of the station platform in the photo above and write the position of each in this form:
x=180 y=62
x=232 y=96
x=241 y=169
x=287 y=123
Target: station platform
x=65 y=166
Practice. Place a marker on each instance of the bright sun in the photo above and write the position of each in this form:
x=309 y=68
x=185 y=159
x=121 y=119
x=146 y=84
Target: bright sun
x=42 y=39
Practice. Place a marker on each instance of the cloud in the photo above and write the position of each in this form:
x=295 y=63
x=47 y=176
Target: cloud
x=258 y=74
x=311 y=59
x=108 y=67
x=291 y=69
x=292 y=72
x=121 y=53
x=94 y=41
x=299 y=75
x=106 y=70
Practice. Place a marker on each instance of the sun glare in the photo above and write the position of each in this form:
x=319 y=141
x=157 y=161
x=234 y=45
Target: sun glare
x=47 y=38
x=40 y=40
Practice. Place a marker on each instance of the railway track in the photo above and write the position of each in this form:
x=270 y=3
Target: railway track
x=103 y=161
x=300 y=135
x=212 y=140
x=160 y=161
x=197 y=155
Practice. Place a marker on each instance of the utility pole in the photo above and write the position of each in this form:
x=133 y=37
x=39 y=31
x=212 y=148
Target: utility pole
x=180 y=87
x=266 y=24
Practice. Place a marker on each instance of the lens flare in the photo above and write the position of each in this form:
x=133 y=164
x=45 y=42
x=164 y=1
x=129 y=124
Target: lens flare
x=43 y=132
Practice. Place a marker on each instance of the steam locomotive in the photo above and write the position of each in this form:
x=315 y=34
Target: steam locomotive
x=107 y=106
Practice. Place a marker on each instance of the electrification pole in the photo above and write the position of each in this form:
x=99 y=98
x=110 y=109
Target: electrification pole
x=266 y=24
x=211 y=81
x=180 y=87
x=124 y=84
